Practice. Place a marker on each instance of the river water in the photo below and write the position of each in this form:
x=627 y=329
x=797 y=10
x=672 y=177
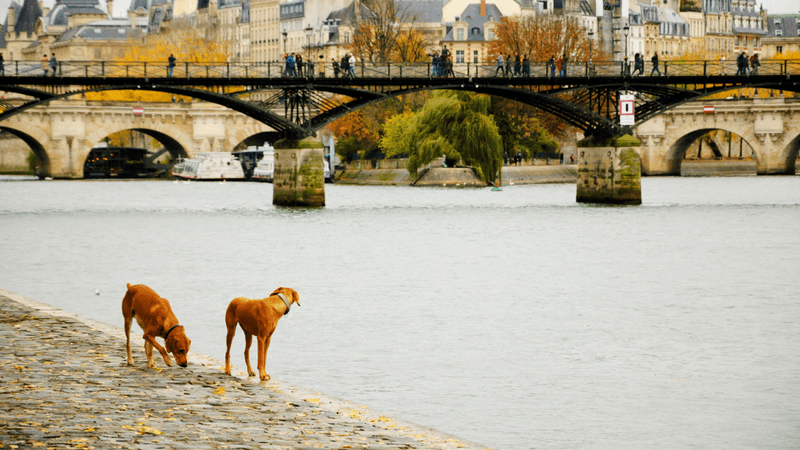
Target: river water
x=517 y=319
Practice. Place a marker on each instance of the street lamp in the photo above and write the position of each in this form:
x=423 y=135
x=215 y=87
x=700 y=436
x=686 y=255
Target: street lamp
x=285 y=35
x=309 y=32
x=591 y=43
x=625 y=31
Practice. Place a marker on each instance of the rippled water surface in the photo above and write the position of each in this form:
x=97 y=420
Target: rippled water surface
x=517 y=319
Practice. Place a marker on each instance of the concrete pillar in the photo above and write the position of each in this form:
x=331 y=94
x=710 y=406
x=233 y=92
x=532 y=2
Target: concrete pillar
x=609 y=171
x=299 y=178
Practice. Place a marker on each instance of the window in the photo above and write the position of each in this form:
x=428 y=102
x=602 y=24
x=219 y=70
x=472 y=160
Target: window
x=476 y=31
x=475 y=56
x=460 y=34
x=778 y=32
x=779 y=48
x=460 y=56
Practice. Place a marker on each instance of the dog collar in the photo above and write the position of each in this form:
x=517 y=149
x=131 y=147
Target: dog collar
x=288 y=304
x=170 y=331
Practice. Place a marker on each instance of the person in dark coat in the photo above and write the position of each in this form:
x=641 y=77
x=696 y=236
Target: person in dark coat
x=517 y=66
x=53 y=63
x=335 y=67
x=526 y=66
x=654 y=60
x=171 y=60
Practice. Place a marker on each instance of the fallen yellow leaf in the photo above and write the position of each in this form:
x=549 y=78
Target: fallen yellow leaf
x=219 y=391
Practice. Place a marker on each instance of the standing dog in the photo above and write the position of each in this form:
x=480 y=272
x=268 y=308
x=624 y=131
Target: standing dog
x=259 y=318
x=155 y=317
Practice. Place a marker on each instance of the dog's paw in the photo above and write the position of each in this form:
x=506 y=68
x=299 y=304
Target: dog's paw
x=130 y=362
x=168 y=362
x=251 y=373
x=151 y=364
x=265 y=377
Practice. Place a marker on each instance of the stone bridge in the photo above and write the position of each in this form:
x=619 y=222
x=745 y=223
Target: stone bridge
x=62 y=133
x=771 y=126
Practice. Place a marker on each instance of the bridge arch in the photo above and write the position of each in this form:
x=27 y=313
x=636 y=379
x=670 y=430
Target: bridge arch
x=36 y=138
x=173 y=139
x=679 y=148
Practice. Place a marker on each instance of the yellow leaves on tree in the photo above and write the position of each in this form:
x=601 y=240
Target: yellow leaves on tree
x=186 y=44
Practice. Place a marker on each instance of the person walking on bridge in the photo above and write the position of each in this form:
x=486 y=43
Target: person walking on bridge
x=45 y=64
x=2 y=65
x=654 y=60
x=171 y=60
x=551 y=67
x=754 y=63
x=352 y=63
x=53 y=64
x=501 y=66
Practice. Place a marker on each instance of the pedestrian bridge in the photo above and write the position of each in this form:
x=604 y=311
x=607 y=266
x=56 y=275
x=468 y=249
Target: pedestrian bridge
x=587 y=97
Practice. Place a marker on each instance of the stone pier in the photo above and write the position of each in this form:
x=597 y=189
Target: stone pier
x=609 y=171
x=299 y=178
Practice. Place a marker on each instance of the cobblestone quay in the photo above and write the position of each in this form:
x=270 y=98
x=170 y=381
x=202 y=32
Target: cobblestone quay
x=65 y=384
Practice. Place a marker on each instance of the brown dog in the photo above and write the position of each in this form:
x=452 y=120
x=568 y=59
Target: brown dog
x=259 y=318
x=155 y=317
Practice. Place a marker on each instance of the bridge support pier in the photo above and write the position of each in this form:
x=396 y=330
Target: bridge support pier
x=609 y=171
x=299 y=178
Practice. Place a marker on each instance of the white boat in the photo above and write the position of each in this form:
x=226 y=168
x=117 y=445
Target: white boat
x=265 y=167
x=210 y=166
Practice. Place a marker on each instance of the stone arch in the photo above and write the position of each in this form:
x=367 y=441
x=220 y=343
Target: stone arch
x=253 y=133
x=175 y=140
x=37 y=139
x=677 y=148
x=789 y=155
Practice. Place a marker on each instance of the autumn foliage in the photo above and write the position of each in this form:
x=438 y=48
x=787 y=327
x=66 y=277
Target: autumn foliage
x=541 y=37
x=185 y=43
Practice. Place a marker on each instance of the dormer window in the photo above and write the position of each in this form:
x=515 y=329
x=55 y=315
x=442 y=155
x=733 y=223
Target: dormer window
x=476 y=31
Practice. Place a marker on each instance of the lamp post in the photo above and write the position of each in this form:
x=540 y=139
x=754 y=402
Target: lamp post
x=591 y=44
x=625 y=30
x=309 y=32
x=285 y=35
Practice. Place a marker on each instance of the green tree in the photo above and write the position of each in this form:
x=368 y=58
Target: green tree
x=452 y=123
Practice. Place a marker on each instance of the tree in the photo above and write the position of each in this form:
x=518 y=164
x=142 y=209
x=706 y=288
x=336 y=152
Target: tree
x=361 y=130
x=387 y=34
x=521 y=128
x=455 y=124
x=185 y=43
x=541 y=37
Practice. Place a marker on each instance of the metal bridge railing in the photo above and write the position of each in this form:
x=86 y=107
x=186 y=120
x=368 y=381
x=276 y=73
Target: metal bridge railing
x=539 y=69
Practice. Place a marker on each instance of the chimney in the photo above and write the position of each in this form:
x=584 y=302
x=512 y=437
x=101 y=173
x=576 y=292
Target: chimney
x=357 y=11
x=483 y=8
x=110 y=4
x=12 y=20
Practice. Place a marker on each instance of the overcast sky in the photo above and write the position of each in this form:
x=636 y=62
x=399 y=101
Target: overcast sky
x=121 y=6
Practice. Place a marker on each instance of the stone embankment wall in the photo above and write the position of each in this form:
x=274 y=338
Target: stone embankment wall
x=719 y=168
x=366 y=173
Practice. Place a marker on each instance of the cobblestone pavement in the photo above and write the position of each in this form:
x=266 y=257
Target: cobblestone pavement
x=64 y=384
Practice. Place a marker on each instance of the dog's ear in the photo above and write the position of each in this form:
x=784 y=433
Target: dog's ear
x=295 y=296
x=170 y=344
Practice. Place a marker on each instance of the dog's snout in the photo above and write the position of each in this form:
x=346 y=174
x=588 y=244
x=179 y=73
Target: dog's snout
x=184 y=364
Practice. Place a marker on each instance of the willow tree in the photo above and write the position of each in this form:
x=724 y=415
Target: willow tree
x=454 y=124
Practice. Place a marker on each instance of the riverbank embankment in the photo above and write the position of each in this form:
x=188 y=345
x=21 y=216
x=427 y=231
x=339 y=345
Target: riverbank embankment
x=65 y=384
x=459 y=176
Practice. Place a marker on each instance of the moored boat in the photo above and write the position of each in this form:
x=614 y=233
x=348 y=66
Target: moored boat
x=210 y=166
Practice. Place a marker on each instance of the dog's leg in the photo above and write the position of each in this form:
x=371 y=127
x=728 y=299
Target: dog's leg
x=128 y=321
x=148 y=351
x=228 y=342
x=248 y=340
x=152 y=341
x=263 y=345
